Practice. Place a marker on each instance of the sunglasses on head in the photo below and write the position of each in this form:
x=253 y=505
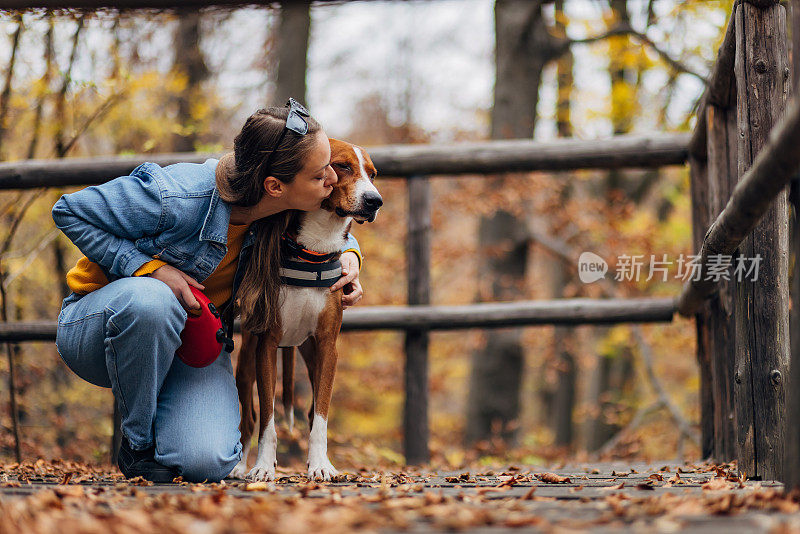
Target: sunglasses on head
x=294 y=122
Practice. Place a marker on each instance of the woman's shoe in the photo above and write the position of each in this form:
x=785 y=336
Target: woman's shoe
x=142 y=464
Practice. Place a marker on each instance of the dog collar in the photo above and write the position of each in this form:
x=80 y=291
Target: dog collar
x=292 y=248
x=307 y=274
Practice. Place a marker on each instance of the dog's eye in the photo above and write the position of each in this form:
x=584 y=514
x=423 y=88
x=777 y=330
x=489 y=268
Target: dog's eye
x=342 y=166
x=372 y=176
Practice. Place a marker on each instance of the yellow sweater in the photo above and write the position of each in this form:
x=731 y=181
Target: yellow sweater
x=87 y=276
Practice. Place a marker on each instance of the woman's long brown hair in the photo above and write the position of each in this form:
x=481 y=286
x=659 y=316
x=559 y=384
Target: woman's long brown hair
x=258 y=295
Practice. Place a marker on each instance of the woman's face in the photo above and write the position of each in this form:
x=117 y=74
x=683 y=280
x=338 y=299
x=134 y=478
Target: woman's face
x=315 y=180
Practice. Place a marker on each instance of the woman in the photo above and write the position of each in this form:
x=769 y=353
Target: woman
x=148 y=237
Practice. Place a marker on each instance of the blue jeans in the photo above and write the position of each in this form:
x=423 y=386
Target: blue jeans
x=124 y=336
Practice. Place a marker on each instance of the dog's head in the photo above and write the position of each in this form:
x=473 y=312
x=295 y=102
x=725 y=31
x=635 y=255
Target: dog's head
x=354 y=195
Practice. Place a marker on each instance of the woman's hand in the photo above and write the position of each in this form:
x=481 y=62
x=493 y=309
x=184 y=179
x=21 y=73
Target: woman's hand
x=179 y=282
x=353 y=291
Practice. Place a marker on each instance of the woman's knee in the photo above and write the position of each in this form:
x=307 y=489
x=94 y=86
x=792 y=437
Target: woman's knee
x=197 y=421
x=149 y=302
x=208 y=461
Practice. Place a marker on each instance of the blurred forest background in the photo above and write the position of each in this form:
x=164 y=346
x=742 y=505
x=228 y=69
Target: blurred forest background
x=100 y=83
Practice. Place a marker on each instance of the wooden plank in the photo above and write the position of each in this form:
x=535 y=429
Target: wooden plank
x=418 y=257
x=624 y=151
x=722 y=176
x=698 y=174
x=761 y=306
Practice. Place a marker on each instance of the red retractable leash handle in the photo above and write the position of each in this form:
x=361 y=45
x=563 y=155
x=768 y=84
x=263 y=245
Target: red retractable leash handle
x=203 y=337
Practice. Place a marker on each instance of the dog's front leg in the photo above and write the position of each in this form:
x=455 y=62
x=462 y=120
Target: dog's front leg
x=324 y=369
x=266 y=373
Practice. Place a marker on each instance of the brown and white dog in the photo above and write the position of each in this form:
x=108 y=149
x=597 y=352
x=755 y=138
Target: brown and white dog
x=310 y=317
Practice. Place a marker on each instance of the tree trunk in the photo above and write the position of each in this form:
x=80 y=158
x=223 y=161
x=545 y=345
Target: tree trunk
x=522 y=50
x=190 y=64
x=5 y=96
x=614 y=372
x=46 y=77
x=563 y=398
x=293 y=30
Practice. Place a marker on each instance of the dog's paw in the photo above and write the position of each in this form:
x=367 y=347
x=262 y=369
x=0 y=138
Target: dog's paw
x=240 y=471
x=261 y=473
x=322 y=470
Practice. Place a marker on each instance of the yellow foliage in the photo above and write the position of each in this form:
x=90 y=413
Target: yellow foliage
x=618 y=337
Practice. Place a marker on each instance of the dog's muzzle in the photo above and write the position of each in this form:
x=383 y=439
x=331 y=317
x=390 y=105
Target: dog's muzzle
x=370 y=204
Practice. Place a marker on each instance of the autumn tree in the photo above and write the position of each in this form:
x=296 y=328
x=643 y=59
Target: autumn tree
x=190 y=67
x=292 y=51
x=523 y=46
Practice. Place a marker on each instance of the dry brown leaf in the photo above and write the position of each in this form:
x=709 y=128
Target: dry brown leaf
x=492 y=489
x=260 y=485
x=717 y=484
x=552 y=478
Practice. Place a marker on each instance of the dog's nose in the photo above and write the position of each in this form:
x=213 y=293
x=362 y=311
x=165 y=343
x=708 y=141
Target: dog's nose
x=372 y=200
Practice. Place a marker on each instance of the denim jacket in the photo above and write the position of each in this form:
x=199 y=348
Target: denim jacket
x=172 y=213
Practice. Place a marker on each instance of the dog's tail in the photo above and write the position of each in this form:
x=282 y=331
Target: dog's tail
x=288 y=385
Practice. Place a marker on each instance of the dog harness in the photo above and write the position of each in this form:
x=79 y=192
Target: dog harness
x=306 y=268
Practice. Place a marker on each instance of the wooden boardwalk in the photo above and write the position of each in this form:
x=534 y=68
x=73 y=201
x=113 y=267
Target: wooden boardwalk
x=602 y=498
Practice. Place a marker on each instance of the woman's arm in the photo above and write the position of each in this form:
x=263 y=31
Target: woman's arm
x=351 y=245
x=103 y=221
x=351 y=268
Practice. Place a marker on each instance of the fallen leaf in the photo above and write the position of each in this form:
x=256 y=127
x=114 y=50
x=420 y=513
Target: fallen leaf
x=717 y=484
x=552 y=478
x=261 y=485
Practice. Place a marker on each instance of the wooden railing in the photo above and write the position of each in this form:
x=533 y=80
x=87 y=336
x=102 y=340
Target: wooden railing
x=417 y=163
x=743 y=153
x=405 y=161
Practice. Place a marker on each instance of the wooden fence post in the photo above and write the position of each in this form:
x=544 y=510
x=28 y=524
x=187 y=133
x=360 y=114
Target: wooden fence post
x=722 y=177
x=415 y=415
x=792 y=453
x=762 y=308
x=699 y=191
